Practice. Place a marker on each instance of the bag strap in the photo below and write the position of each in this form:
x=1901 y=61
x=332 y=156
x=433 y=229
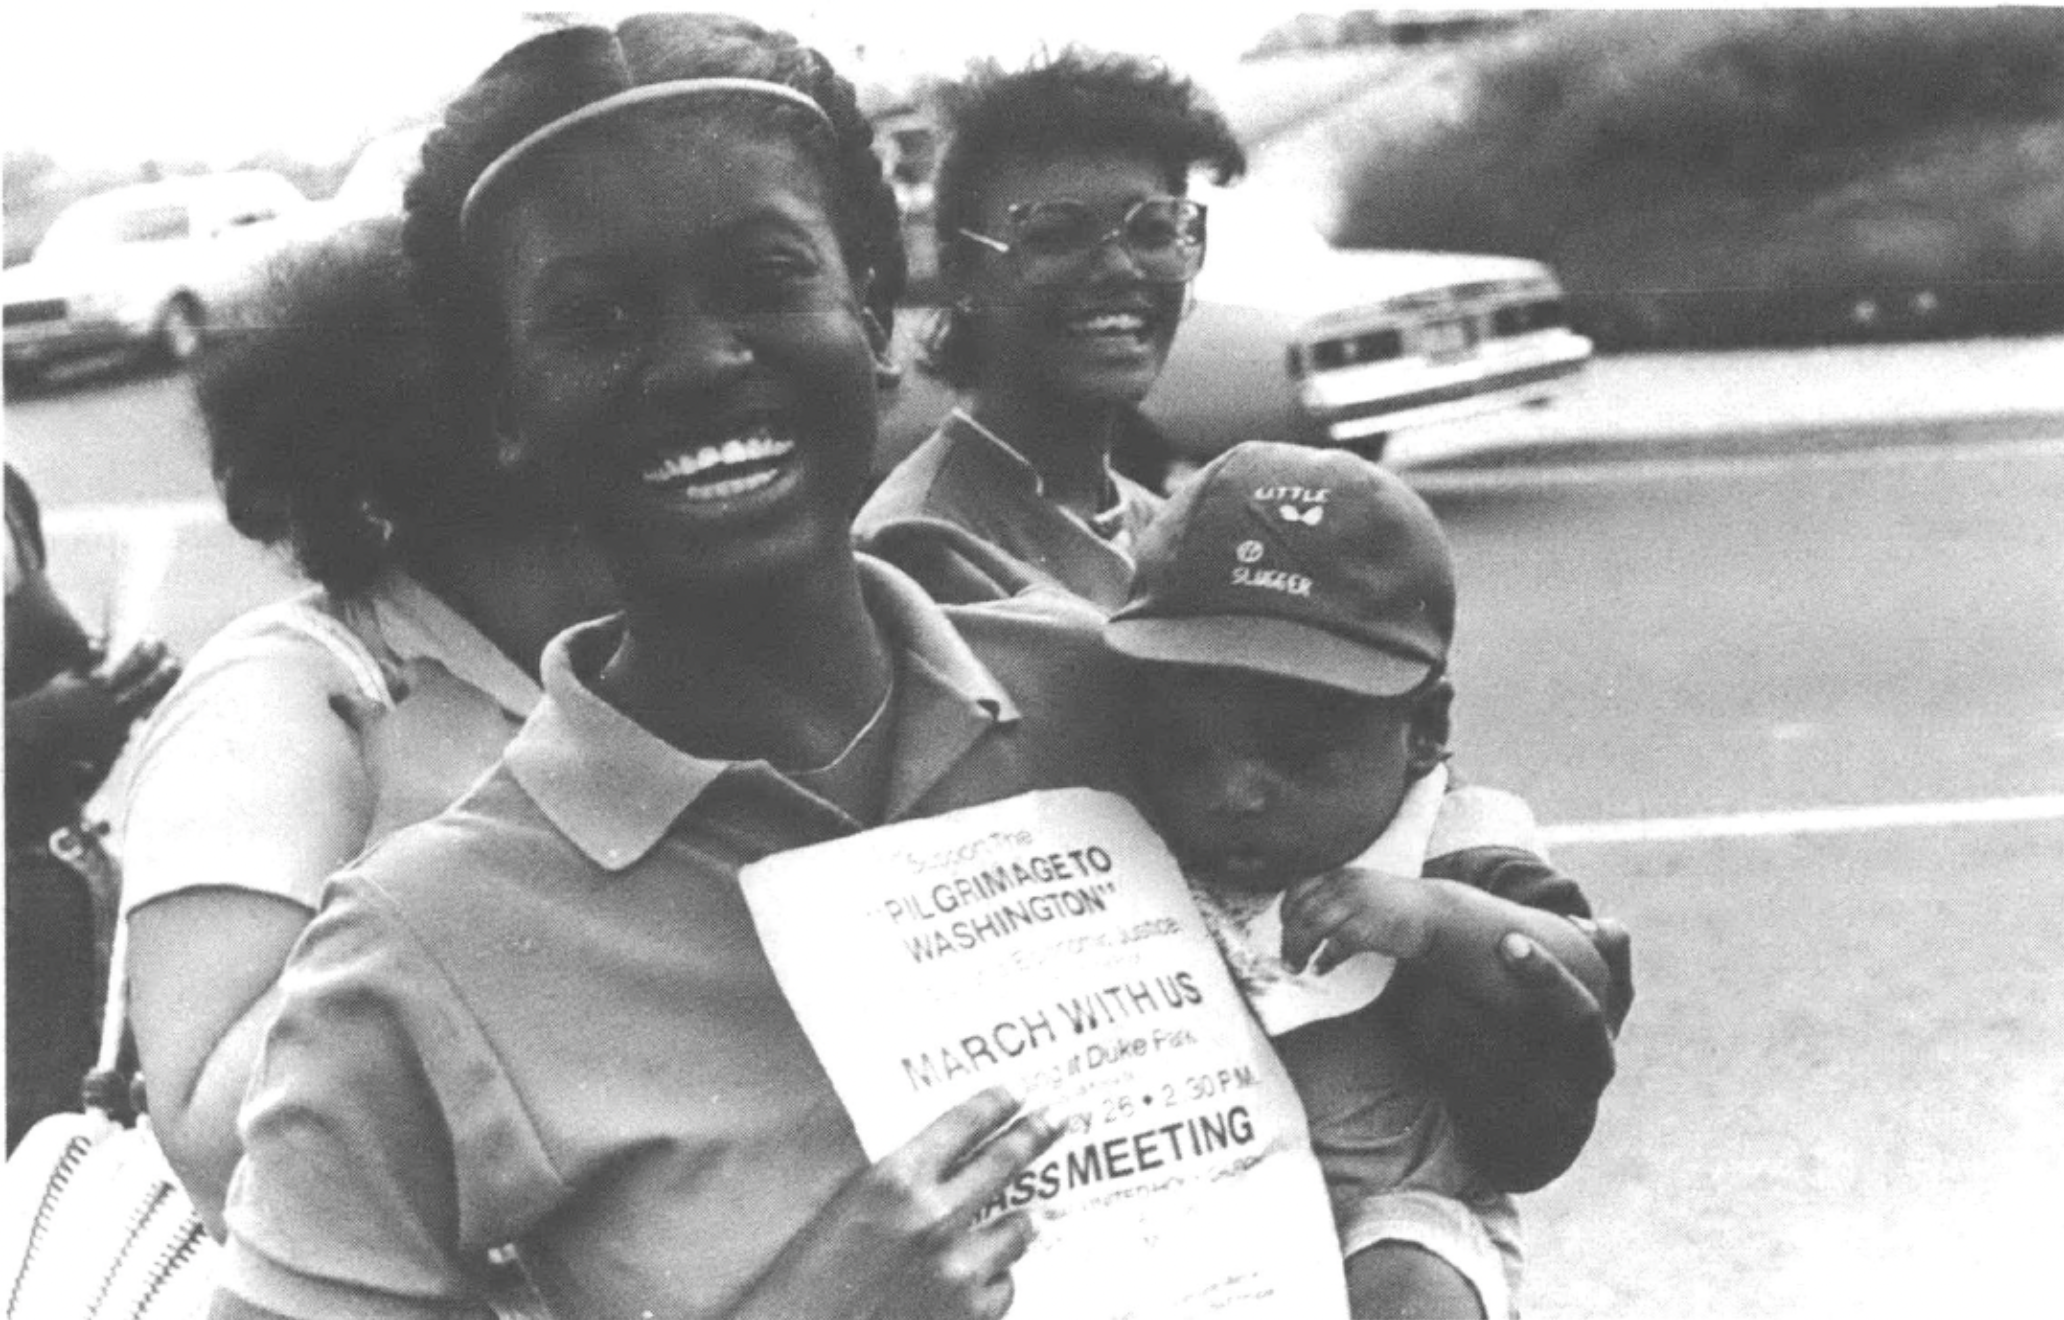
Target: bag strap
x=105 y=1090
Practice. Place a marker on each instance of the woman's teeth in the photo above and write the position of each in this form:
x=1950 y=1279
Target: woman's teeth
x=1109 y=323
x=706 y=474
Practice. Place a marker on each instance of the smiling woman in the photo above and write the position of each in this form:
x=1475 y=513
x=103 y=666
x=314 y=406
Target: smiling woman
x=658 y=263
x=707 y=416
x=1067 y=249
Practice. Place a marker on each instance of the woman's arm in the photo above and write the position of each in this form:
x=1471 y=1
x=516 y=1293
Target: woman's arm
x=204 y=967
x=250 y=789
x=1521 y=1087
x=1512 y=1007
x=1523 y=1078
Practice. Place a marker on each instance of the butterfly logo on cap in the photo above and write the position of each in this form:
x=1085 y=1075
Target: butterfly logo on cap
x=1310 y=517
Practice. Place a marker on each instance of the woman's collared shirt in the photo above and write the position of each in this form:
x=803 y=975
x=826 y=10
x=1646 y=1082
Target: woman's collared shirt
x=545 y=1016
x=277 y=759
x=966 y=475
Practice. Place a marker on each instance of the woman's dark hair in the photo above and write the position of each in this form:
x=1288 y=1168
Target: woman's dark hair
x=323 y=428
x=1076 y=100
x=558 y=72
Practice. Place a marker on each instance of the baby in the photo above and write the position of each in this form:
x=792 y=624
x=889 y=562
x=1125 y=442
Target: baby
x=1291 y=615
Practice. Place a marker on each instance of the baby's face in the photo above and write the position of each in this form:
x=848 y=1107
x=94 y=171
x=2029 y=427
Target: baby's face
x=1260 y=782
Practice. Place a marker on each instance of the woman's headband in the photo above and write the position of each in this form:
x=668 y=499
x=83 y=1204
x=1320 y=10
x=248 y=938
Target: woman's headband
x=678 y=89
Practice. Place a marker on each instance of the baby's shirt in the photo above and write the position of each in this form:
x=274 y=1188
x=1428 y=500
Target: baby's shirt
x=1395 y=1167
x=1435 y=819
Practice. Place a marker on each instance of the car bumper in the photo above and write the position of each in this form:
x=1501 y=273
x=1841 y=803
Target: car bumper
x=41 y=343
x=1378 y=399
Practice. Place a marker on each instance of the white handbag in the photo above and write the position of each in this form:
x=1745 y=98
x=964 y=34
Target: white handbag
x=93 y=1223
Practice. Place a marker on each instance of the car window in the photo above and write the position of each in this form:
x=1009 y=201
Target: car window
x=150 y=224
x=100 y=221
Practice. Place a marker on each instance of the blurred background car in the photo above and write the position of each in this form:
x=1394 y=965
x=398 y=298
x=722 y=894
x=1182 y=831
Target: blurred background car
x=1290 y=338
x=141 y=269
x=373 y=186
x=1293 y=338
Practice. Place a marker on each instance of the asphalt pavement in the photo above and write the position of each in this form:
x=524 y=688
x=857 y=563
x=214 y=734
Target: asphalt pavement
x=1789 y=703
x=1785 y=691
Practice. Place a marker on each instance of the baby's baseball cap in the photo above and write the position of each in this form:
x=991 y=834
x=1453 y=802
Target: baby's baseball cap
x=1306 y=563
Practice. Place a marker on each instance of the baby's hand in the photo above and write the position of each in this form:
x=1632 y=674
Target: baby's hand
x=1356 y=909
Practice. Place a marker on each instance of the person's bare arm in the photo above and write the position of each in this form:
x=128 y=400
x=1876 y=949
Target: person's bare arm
x=1512 y=1008
x=1449 y=930
x=76 y=722
x=204 y=967
x=249 y=792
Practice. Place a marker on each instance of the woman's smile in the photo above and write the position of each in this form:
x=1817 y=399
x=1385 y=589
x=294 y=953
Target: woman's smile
x=1088 y=327
x=739 y=465
x=689 y=360
x=1128 y=331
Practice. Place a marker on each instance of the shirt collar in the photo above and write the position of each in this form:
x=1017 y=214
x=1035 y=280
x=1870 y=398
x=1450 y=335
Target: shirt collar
x=1111 y=515
x=928 y=642
x=416 y=624
x=614 y=789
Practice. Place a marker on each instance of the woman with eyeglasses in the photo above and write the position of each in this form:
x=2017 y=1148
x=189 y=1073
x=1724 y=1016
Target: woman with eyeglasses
x=1066 y=247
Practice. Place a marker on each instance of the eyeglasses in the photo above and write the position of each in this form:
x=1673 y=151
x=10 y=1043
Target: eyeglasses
x=1163 y=235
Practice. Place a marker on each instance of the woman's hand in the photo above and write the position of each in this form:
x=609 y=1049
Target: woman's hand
x=1522 y=1073
x=901 y=1240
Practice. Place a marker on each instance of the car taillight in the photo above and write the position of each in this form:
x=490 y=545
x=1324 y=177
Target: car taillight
x=1379 y=346
x=1523 y=318
x=1369 y=346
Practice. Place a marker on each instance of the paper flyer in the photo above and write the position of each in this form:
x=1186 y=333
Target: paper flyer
x=1048 y=943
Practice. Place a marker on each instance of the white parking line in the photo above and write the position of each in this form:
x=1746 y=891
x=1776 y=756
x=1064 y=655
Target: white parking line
x=1692 y=467
x=121 y=519
x=1811 y=820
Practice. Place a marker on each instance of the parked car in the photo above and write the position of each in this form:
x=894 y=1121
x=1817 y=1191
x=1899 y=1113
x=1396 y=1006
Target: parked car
x=372 y=187
x=1293 y=339
x=142 y=268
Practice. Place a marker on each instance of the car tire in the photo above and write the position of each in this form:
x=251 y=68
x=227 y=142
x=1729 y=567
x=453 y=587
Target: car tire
x=178 y=334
